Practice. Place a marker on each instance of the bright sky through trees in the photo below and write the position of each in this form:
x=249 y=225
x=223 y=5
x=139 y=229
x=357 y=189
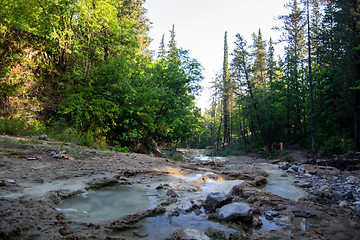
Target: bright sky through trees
x=200 y=26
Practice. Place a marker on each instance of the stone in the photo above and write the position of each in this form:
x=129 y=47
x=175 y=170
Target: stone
x=6 y=182
x=256 y=222
x=215 y=234
x=343 y=204
x=31 y=158
x=294 y=169
x=304 y=185
x=301 y=170
x=216 y=200
x=291 y=170
x=268 y=215
x=236 y=211
x=102 y=183
x=171 y=193
x=260 y=180
x=160 y=187
x=348 y=195
x=284 y=165
x=325 y=188
x=352 y=180
x=43 y=137
x=308 y=175
x=189 y=234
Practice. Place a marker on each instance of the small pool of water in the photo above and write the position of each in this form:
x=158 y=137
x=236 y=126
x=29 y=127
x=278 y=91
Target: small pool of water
x=162 y=227
x=281 y=186
x=109 y=204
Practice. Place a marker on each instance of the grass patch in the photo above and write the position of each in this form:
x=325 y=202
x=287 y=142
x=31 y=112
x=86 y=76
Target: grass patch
x=21 y=127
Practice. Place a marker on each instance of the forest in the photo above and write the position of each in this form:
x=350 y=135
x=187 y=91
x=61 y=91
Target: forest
x=82 y=71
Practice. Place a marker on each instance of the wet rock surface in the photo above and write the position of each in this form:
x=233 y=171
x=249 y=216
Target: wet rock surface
x=330 y=210
x=216 y=200
x=189 y=234
x=235 y=211
x=328 y=185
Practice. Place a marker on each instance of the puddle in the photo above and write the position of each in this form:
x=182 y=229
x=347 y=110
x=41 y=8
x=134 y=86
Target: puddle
x=109 y=204
x=39 y=190
x=281 y=186
x=162 y=227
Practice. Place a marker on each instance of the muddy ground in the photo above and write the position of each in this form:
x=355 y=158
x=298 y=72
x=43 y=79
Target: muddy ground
x=322 y=214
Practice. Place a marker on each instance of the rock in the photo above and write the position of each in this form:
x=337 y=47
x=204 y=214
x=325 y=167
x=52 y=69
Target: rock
x=294 y=169
x=102 y=182
x=343 y=204
x=357 y=210
x=291 y=170
x=256 y=222
x=348 y=195
x=313 y=172
x=284 y=165
x=6 y=182
x=325 y=188
x=215 y=234
x=171 y=193
x=43 y=137
x=304 y=185
x=269 y=215
x=301 y=170
x=260 y=180
x=189 y=234
x=352 y=180
x=308 y=175
x=160 y=187
x=239 y=235
x=216 y=200
x=234 y=211
x=185 y=206
x=31 y=158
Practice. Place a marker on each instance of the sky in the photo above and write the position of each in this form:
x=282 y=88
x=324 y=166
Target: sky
x=200 y=26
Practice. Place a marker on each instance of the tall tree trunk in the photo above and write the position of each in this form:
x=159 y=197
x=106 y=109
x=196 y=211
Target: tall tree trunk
x=262 y=131
x=214 y=128
x=313 y=146
x=242 y=133
x=219 y=133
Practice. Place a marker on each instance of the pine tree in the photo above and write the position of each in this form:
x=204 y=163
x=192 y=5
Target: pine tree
x=162 y=51
x=270 y=62
x=259 y=54
x=294 y=26
x=173 y=50
x=227 y=94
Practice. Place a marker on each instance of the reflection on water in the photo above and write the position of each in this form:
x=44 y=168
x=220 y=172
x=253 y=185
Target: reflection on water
x=162 y=227
x=108 y=204
x=281 y=186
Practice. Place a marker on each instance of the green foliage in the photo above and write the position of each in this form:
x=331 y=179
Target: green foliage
x=272 y=103
x=21 y=126
x=336 y=145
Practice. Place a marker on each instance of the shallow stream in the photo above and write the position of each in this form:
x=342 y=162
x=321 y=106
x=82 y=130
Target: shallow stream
x=109 y=204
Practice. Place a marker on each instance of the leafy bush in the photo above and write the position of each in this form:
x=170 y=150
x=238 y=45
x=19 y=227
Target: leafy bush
x=21 y=126
x=336 y=145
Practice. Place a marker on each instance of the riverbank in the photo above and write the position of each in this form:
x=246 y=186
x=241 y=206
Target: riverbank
x=37 y=175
